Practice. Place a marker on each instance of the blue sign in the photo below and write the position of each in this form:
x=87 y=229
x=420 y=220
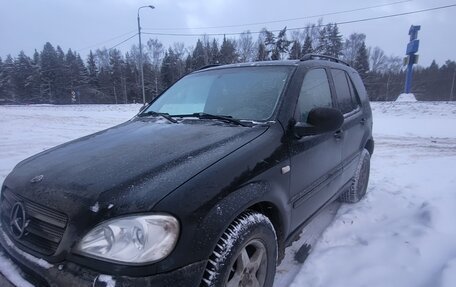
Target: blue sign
x=412 y=48
x=413 y=32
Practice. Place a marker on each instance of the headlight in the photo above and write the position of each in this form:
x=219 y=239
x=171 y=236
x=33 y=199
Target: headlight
x=132 y=239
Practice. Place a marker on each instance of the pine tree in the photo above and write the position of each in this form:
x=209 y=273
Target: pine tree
x=307 y=47
x=207 y=50
x=228 y=53
x=215 y=53
x=281 y=45
x=92 y=70
x=262 y=54
x=334 y=48
x=323 y=41
x=198 y=56
x=169 y=70
x=83 y=77
x=72 y=74
x=116 y=62
x=362 y=61
x=433 y=68
x=188 y=64
x=295 y=51
x=36 y=96
x=7 y=81
x=23 y=75
x=62 y=80
x=132 y=79
x=49 y=70
x=269 y=40
x=77 y=77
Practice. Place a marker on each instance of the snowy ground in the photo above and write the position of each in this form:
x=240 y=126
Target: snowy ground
x=402 y=234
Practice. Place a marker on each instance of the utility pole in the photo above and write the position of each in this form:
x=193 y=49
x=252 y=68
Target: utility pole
x=412 y=58
x=141 y=68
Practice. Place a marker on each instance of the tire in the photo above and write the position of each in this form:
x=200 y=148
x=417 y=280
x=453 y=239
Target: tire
x=245 y=255
x=358 y=186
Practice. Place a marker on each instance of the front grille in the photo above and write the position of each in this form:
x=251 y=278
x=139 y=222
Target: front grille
x=45 y=226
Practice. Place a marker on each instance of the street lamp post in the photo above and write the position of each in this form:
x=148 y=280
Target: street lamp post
x=140 y=54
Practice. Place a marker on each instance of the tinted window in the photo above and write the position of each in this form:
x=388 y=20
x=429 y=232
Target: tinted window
x=249 y=93
x=314 y=93
x=344 y=97
x=353 y=92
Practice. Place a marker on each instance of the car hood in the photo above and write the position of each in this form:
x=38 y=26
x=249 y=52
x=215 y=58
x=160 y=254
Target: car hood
x=127 y=168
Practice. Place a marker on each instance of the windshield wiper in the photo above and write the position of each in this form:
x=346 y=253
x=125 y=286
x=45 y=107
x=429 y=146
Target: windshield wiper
x=229 y=119
x=157 y=114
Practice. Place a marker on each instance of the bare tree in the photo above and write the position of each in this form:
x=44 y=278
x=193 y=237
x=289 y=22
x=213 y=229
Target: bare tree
x=246 y=47
x=394 y=64
x=102 y=58
x=378 y=60
x=155 y=53
x=180 y=53
x=298 y=36
x=351 y=46
x=206 y=41
x=313 y=31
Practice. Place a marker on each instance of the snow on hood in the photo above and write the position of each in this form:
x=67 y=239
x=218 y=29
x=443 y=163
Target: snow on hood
x=142 y=157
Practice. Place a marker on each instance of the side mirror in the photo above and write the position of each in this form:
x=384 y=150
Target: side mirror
x=320 y=120
x=143 y=107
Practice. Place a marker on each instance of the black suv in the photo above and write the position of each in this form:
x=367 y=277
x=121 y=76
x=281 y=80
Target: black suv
x=206 y=186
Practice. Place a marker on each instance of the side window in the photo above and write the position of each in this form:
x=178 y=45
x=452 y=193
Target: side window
x=344 y=97
x=314 y=93
x=354 y=93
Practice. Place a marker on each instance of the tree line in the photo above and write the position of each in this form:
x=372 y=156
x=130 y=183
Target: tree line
x=109 y=76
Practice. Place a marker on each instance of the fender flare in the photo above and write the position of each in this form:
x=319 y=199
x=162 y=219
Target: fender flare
x=258 y=196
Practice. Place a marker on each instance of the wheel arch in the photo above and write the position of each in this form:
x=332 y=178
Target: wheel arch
x=260 y=197
x=273 y=213
x=369 y=145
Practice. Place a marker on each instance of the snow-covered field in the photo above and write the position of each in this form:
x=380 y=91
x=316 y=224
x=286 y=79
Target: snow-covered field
x=402 y=234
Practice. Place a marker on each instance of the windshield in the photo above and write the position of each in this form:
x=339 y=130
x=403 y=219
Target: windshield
x=249 y=93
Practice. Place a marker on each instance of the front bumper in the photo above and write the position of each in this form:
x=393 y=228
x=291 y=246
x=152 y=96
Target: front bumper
x=41 y=273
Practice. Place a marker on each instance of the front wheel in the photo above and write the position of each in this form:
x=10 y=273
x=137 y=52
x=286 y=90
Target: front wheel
x=245 y=255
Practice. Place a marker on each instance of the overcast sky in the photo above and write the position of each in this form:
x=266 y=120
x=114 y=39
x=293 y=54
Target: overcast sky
x=79 y=24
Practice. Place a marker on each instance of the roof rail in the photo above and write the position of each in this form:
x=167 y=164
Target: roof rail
x=208 y=66
x=307 y=57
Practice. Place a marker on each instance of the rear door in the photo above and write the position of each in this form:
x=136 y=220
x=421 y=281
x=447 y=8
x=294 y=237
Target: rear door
x=353 y=127
x=315 y=160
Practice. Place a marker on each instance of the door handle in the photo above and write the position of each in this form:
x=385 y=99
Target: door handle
x=363 y=121
x=339 y=135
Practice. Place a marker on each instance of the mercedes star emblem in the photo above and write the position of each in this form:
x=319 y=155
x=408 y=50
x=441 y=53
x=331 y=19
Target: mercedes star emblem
x=18 y=221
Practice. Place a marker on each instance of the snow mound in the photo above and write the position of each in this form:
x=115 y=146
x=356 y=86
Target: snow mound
x=406 y=98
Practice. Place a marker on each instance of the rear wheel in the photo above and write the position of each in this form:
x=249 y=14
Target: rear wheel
x=245 y=255
x=358 y=186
